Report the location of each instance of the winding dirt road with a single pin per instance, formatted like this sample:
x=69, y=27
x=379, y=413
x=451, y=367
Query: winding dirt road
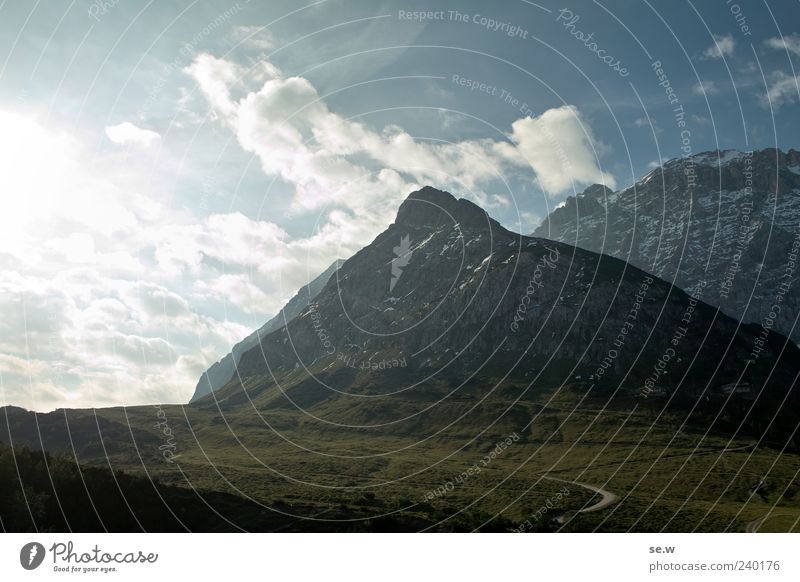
x=752, y=527
x=607, y=496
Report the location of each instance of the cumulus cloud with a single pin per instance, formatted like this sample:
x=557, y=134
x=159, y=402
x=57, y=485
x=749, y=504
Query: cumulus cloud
x=648, y=123
x=127, y=133
x=298, y=138
x=86, y=339
x=229, y=239
x=241, y=291
x=723, y=46
x=789, y=43
x=97, y=308
x=214, y=76
x=705, y=88
x=782, y=89
x=333, y=160
x=255, y=37
x=560, y=149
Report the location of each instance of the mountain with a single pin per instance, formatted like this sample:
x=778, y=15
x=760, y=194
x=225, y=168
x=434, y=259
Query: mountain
x=222, y=371
x=448, y=301
x=726, y=220
x=455, y=376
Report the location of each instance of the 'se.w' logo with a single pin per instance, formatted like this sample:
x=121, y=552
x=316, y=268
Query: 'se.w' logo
x=402, y=256
x=31, y=555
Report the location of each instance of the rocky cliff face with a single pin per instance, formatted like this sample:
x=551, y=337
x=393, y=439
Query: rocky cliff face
x=446, y=300
x=729, y=221
x=220, y=373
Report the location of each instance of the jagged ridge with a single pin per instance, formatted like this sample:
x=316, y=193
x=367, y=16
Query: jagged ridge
x=727, y=218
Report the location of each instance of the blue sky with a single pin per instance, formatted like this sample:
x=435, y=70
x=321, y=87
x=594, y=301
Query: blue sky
x=173, y=172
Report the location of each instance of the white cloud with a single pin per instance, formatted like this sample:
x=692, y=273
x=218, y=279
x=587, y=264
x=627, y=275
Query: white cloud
x=789, y=43
x=232, y=240
x=559, y=147
x=93, y=340
x=649, y=123
x=214, y=76
x=91, y=315
x=296, y=137
x=705, y=88
x=127, y=133
x=255, y=37
x=332, y=160
x=783, y=89
x=723, y=46
x=240, y=291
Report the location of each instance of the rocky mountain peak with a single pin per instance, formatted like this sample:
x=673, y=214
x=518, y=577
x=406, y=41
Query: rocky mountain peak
x=432, y=208
x=600, y=191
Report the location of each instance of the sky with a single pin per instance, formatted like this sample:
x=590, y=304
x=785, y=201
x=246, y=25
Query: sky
x=171, y=173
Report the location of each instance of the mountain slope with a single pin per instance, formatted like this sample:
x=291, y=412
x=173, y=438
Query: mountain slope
x=221, y=372
x=729, y=219
x=446, y=301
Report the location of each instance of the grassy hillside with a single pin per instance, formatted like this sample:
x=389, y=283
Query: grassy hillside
x=270, y=461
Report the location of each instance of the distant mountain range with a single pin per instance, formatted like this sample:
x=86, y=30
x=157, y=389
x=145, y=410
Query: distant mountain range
x=220, y=373
x=727, y=218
